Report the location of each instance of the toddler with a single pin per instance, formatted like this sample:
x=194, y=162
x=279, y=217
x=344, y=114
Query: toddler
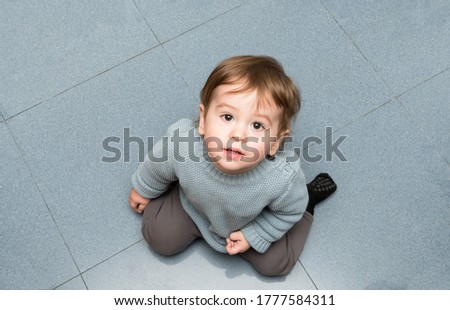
x=227, y=178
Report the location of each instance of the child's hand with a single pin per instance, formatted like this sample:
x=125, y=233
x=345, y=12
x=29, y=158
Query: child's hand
x=137, y=202
x=236, y=243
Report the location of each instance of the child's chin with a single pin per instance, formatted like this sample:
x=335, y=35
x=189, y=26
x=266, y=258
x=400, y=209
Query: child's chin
x=233, y=167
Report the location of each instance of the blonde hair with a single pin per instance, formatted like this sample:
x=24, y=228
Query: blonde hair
x=261, y=73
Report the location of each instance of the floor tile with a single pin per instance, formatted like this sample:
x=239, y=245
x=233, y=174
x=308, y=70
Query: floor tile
x=64, y=143
x=50, y=46
x=406, y=41
x=33, y=254
x=74, y=284
x=430, y=108
x=336, y=82
x=198, y=267
x=171, y=18
x=386, y=227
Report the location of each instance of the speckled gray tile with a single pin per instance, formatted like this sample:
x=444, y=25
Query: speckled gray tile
x=74, y=284
x=430, y=108
x=171, y=18
x=198, y=267
x=406, y=41
x=337, y=83
x=65, y=139
x=387, y=225
x=50, y=46
x=33, y=254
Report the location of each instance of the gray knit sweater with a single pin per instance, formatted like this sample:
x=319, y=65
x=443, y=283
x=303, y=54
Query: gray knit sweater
x=263, y=203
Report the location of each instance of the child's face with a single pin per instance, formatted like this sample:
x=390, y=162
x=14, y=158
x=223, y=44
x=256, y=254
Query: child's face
x=239, y=135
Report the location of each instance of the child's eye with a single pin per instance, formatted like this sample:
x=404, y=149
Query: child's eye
x=227, y=117
x=258, y=126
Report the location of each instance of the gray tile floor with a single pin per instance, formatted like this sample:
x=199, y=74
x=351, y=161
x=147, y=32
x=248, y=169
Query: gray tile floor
x=74, y=73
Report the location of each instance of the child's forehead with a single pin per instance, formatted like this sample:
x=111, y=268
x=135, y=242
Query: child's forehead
x=229, y=91
x=232, y=97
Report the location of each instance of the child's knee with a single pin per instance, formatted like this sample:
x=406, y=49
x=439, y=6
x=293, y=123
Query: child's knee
x=275, y=271
x=166, y=241
x=274, y=268
x=158, y=241
x=165, y=251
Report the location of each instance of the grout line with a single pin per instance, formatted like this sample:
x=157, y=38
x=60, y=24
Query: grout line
x=145, y=20
x=357, y=47
x=97, y=264
x=123, y=62
x=203, y=23
x=358, y=118
x=78, y=275
x=82, y=82
x=421, y=83
x=165, y=51
x=84, y=281
x=394, y=97
x=21, y=152
x=179, y=35
x=2, y=118
x=305, y=148
x=307, y=273
x=195, y=94
x=372, y=66
x=188, y=87
x=109, y=257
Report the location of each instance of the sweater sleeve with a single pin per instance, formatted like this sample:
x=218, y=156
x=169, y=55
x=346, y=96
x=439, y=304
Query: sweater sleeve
x=156, y=173
x=277, y=218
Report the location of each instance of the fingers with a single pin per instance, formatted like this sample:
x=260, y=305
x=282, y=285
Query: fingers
x=229, y=246
x=233, y=246
x=137, y=202
x=140, y=208
x=134, y=204
x=137, y=207
x=236, y=243
x=233, y=243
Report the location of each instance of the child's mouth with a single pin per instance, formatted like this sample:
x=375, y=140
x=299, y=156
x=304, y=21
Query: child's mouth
x=233, y=152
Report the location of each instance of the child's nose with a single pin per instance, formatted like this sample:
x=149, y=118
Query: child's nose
x=239, y=133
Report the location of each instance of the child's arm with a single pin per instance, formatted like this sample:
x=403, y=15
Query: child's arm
x=154, y=176
x=275, y=220
x=236, y=243
x=137, y=202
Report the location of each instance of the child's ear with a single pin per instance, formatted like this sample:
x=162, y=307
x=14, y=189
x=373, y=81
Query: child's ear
x=201, y=122
x=275, y=146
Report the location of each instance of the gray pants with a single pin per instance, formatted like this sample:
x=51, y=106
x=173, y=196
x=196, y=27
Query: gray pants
x=169, y=230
